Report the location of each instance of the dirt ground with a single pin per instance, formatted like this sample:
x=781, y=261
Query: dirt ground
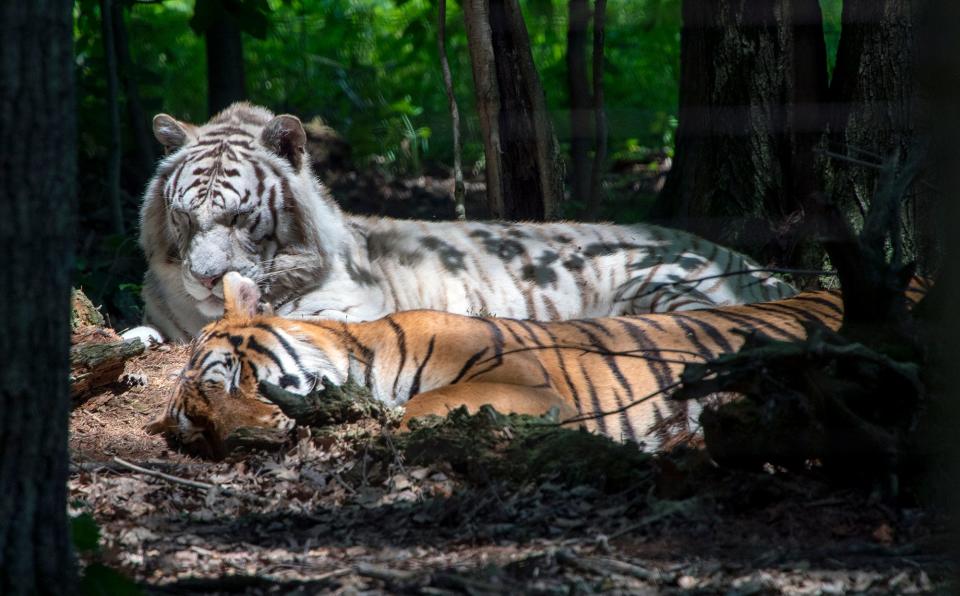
x=332, y=513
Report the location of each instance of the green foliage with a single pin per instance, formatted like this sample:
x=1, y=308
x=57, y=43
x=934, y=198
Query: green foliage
x=85, y=533
x=832, y=10
x=97, y=579
x=369, y=68
x=100, y=580
x=523, y=448
x=642, y=74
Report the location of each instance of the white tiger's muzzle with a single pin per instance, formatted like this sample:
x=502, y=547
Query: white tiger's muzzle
x=211, y=255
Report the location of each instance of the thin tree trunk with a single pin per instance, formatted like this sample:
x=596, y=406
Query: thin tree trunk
x=225, y=73
x=600, y=151
x=37, y=196
x=483, y=63
x=522, y=173
x=581, y=133
x=750, y=74
x=459, y=192
x=142, y=139
x=114, y=149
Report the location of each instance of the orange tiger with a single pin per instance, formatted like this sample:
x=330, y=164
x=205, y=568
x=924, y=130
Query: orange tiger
x=431, y=362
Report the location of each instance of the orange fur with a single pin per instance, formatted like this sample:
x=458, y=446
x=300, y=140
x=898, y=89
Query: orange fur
x=431, y=362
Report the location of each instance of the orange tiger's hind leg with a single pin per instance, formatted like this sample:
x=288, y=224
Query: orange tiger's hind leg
x=503, y=397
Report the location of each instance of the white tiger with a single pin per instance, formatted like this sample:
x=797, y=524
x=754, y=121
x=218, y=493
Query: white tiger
x=238, y=194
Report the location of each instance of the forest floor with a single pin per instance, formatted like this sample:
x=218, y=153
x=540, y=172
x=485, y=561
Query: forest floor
x=355, y=509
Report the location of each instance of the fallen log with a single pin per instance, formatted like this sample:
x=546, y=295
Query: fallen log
x=97, y=353
x=94, y=365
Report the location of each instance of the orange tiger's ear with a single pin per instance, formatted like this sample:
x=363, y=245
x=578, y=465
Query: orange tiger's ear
x=241, y=296
x=161, y=425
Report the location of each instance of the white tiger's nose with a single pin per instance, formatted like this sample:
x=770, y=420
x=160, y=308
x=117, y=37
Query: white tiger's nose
x=209, y=281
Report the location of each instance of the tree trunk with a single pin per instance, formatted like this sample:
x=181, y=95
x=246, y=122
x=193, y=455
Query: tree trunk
x=874, y=94
x=600, y=116
x=142, y=139
x=225, y=74
x=114, y=149
x=581, y=131
x=750, y=74
x=523, y=177
x=37, y=136
x=939, y=72
x=459, y=191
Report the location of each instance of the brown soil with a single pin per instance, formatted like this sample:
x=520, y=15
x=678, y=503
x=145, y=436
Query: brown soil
x=330, y=514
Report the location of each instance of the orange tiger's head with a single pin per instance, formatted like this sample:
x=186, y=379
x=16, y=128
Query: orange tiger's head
x=217, y=392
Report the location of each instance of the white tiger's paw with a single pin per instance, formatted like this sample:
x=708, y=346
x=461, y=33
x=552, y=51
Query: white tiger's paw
x=147, y=335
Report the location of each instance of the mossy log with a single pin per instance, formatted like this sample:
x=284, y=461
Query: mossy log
x=83, y=313
x=251, y=438
x=326, y=405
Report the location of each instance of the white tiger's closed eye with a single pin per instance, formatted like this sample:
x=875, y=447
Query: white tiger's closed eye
x=240, y=218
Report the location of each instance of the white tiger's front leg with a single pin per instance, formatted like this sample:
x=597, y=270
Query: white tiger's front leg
x=147, y=335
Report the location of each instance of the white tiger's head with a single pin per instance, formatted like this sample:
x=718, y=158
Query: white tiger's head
x=235, y=194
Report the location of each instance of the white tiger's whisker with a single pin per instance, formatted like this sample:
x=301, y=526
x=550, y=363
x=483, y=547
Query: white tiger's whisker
x=268, y=274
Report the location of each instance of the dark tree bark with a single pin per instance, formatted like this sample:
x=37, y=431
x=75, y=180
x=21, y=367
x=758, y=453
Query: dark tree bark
x=939, y=73
x=750, y=74
x=874, y=94
x=523, y=177
x=114, y=148
x=142, y=139
x=225, y=73
x=600, y=116
x=37, y=196
x=581, y=125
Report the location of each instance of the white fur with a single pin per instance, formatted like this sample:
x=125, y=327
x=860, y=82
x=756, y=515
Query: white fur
x=337, y=266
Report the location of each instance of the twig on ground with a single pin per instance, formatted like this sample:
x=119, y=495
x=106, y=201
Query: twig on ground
x=110, y=466
x=635, y=353
x=392, y=577
x=624, y=408
x=191, y=483
x=669, y=508
x=606, y=566
x=343, y=483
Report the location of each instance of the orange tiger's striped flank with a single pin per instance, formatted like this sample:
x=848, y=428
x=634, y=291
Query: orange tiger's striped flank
x=431, y=362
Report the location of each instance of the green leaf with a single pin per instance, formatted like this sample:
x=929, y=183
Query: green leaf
x=85, y=533
x=100, y=580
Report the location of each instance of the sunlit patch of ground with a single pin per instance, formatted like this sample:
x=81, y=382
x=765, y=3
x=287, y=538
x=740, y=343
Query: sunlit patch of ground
x=337, y=512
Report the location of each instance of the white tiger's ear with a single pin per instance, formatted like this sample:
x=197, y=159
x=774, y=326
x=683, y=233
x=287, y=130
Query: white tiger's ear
x=241, y=296
x=284, y=135
x=172, y=133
